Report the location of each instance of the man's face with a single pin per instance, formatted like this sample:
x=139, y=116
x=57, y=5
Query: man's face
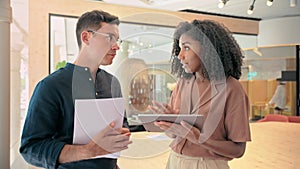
x=104, y=43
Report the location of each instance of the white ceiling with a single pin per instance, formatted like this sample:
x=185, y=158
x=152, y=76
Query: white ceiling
x=280, y=8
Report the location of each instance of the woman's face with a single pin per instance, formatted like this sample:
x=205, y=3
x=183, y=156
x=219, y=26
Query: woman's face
x=189, y=54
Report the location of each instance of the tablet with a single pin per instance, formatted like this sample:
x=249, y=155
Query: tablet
x=149, y=119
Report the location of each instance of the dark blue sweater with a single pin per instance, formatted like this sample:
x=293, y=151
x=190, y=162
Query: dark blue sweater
x=50, y=117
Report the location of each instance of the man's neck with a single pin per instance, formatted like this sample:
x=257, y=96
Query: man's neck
x=93, y=66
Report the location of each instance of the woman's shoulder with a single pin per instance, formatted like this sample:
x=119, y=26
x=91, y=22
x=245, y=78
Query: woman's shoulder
x=233, y=83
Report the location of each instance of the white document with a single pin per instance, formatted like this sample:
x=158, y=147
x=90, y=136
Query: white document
x=93, y=115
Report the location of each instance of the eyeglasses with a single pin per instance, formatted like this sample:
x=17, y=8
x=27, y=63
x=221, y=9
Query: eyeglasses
x=111, y=37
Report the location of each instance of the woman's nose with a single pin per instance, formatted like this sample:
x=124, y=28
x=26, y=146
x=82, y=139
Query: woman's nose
x=180, y=55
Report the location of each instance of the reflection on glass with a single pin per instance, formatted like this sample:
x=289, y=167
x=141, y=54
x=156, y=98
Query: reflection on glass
x=140, y=88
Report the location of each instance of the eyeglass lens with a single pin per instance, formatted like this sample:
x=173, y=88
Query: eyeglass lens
x=111, y=37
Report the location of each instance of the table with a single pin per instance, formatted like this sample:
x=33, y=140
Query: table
x=259, y=110
x=274, y=145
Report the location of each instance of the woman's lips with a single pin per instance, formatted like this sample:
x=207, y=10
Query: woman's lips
x=184, y=66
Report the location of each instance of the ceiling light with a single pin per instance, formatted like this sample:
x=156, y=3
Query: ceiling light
x=293, y=3
x=251, y=8
x=222, y=3
x=270, y=2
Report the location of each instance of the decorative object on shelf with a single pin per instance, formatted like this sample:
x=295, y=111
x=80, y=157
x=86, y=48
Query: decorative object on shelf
x=139, y=92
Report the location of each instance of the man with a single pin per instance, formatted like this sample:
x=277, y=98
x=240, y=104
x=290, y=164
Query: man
x=279, y=97
x=48, y=130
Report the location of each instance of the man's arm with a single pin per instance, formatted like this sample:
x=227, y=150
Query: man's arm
x=38, y=147
x=108, y=141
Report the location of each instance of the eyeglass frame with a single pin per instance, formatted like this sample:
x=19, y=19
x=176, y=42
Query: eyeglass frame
x=109, y=36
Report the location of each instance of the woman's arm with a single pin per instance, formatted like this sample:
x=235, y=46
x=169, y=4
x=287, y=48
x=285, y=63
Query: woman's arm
x=224, y=148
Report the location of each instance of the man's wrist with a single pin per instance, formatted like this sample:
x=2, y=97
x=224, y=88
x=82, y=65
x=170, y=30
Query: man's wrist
x=92, y=150
x=72, y=153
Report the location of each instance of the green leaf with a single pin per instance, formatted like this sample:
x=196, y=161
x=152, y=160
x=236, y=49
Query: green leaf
x=60, y=64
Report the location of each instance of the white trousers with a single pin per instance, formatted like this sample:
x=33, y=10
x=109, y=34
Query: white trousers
x=179, y=161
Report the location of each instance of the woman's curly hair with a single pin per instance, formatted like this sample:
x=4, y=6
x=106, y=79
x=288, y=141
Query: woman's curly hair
x=221, y=55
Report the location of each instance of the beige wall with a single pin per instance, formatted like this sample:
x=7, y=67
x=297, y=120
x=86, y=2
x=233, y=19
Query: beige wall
x=39, y=25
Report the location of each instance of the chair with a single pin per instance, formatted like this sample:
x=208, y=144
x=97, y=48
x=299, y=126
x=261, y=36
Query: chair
x=294, y=119
x=274, y=117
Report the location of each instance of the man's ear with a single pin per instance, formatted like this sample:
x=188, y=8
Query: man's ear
x=85, y=37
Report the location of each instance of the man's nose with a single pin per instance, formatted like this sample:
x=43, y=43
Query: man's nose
x=115, y=46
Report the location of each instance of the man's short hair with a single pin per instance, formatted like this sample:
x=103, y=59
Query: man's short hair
x=92, y=20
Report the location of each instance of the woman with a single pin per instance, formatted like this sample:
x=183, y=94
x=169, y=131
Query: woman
x=208, y=61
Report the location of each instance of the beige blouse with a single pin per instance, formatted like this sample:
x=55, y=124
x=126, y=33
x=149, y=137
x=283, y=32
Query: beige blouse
x=225, y=107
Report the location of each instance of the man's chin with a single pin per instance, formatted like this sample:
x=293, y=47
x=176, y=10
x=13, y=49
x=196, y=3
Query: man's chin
x=106, y=63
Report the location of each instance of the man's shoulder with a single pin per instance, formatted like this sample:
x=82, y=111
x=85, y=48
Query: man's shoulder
x=57, y=76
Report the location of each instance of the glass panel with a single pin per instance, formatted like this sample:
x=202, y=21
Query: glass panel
x=143, y=66
x=145, y=56
x=63, y=43
x=263, y=66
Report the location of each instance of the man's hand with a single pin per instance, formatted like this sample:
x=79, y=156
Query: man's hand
x=109, y=140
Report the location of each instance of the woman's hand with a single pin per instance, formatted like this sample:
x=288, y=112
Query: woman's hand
x=163, y=108
x=183, y=130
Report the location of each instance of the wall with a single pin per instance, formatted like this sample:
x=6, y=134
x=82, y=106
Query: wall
x=279, y=31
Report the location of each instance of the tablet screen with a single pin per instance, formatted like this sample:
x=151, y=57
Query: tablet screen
x=149, y=119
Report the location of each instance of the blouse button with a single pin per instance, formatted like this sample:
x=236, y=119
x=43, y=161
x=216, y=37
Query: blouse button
x=86, y=69
x=90, y=79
